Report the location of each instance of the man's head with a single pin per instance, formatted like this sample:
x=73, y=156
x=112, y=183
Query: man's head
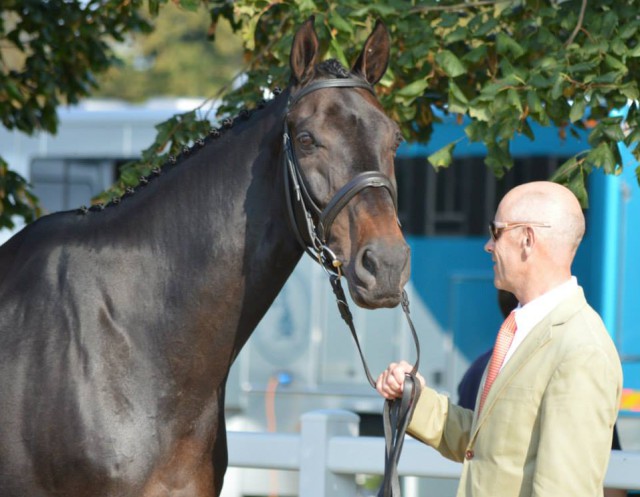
x=536, y=231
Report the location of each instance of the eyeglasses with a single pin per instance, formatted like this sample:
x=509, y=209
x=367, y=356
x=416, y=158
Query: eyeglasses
x=496, y=227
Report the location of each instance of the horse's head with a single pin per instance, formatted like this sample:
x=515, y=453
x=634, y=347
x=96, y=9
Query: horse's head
x=344, y=146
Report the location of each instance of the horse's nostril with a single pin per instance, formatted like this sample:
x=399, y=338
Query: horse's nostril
x=370, y=262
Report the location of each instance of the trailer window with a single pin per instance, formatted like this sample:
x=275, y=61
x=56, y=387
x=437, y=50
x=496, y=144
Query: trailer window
x=64, y=183
x=462, y=199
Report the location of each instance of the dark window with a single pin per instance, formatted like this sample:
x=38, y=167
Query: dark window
x=460, y=200
x=68, y=183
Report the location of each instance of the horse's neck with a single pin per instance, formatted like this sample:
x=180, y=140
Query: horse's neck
x=219, y=221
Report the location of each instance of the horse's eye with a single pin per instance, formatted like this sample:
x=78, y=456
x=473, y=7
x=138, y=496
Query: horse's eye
x=399, y=140
x=305, y=140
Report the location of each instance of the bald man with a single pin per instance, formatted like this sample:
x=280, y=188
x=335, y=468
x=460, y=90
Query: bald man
x=545, y=424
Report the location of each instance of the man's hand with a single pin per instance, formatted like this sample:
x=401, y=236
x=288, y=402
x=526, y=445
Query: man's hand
x=391, y=381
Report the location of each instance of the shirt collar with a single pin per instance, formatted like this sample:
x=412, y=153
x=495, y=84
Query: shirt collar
x=532, y=313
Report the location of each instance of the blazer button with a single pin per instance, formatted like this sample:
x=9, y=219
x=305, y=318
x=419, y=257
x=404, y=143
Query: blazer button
x=468, y=455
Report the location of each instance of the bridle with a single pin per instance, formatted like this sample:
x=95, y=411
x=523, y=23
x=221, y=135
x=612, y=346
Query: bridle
x=313, y=239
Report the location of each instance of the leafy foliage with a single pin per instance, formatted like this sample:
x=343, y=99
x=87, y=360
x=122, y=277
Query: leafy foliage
x=499, y=65
x=50, y=52
x=503, y=65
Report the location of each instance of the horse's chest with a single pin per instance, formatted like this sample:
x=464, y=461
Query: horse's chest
x=186, y=470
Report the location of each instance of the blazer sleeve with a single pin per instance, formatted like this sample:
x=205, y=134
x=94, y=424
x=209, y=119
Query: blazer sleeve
x=577, y=415
x=441, y=424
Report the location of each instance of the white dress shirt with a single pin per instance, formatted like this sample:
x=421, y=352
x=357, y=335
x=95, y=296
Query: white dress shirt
x=532, y=313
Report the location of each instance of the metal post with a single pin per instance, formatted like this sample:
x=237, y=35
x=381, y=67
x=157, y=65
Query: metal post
x=317, y=429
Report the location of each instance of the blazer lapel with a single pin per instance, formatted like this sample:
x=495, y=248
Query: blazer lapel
x=536, y=339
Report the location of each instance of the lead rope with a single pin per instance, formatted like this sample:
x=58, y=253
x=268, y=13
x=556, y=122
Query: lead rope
x=396, y=413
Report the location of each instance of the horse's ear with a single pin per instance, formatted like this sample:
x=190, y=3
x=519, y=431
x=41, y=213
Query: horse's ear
x=303, y=52
x=374, y=58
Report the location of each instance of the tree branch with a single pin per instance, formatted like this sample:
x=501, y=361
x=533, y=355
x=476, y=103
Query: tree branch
x=452, y=8
x=578, y=25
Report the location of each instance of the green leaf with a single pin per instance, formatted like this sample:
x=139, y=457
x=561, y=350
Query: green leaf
x=490, y=90
x=458, y=102
x=609, y=23
x=458, y=93
x=476, y=131
x=339, y=23
x=507, y=128
x=506, y=45
x=534, y=103
x=476, y=55
x=480, y=112
x=547, y=64
x=614, y=132
x=375, y=8
x=526, y=130
x=514, y=99
x=618, y=47
x=615, y=64
x=307, y=5
x=584, y=66
x=557, y=87
x=458, y=34
x=448, y=20
x=13, y=90
x=191, y=5
x=628, y=29
x=538, y=81
x=450, y=64
x=577, y=109
x=443, y=157
x=486, y=27
x=414, y=89
x=498, y=158
x=602, y=157
x=567, y=173
x=578, y=186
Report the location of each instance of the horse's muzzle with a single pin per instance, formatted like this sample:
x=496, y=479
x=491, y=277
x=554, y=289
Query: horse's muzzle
x=380, y=271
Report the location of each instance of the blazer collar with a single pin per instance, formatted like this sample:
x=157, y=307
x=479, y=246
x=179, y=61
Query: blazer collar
x=537, y=338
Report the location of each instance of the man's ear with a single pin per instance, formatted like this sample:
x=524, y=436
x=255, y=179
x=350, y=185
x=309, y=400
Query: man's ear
x=528, y=240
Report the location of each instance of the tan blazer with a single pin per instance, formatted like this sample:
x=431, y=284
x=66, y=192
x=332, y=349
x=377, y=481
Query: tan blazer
x=546, y=427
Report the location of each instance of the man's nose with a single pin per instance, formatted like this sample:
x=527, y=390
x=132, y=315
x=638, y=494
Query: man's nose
x=488, y=247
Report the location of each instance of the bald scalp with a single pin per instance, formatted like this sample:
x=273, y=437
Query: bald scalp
x=548, y=202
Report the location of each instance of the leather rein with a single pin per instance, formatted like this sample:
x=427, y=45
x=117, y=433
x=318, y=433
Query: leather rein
x=313, y=238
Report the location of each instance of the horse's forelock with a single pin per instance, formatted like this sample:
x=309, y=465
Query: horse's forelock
x=333, y=68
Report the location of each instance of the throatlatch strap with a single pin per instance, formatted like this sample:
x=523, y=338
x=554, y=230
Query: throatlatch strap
x=397, y=413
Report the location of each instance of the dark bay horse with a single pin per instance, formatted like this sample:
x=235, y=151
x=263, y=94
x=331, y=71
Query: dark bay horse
x=118, y=325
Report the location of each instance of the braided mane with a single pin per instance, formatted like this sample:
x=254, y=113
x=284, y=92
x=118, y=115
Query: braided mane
x=328, y=68
x=187, y=151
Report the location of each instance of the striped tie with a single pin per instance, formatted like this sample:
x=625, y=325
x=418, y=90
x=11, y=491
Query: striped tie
x=503, y=342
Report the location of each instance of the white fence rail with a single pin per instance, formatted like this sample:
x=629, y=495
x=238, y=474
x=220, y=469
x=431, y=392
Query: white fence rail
x=328, y=453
